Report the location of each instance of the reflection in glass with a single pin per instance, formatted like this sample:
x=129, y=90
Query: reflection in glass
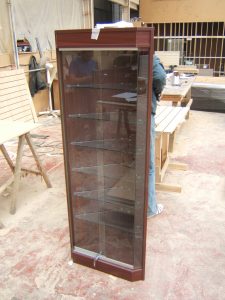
x=105, y=107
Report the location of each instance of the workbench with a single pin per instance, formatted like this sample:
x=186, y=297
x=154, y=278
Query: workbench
x=178, y=93
x=168, y=119
x=187, y=69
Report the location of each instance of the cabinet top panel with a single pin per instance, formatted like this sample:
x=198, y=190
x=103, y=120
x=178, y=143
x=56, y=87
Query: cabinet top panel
x=108, y=37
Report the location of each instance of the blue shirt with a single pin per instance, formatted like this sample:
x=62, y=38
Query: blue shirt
x=81, y=68
x=159, y=81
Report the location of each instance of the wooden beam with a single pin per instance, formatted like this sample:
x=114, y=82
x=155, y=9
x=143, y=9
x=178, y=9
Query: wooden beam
x=6, y=184
x=178, y=166
x=88, y=13
x=126, y=11
x=163, y=187
x=37, y=160
x=17, y=173
x=7, y=157
x=164, y=168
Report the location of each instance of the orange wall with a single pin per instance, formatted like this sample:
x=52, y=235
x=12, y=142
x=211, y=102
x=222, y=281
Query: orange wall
x=169, y=11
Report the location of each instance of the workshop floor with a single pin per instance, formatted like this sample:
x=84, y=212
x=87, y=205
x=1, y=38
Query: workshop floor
x=185, y=244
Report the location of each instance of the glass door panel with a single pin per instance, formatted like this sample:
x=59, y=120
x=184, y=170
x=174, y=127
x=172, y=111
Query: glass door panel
x=105, y=111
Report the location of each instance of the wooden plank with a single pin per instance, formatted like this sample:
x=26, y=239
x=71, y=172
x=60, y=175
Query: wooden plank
x=17, y=172
x=17, y=113
x=7, y=157
x=15, y=101
x=165, y=147
x=168, y=187
x=31, y=104
x=164, y=123
x=161, y=113
x=10, y=130
x=37, y=160
x=164, y=168
x=11, y=73
x=178, y=166
x=25, y=119
x=15, y=95
x=12, y=90
x=11, y=78
x=172, y=98
x=13, y=109
x=187, y=69
x=160, y=109
x=177, y=92
x=172, y=119
x=9, y=84
x=22, y=117
x=171, y=140
x=158, y=147
x=13, y=104
x=177, y=120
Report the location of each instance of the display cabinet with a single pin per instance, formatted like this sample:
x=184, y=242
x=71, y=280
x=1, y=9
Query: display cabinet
x=105, y=88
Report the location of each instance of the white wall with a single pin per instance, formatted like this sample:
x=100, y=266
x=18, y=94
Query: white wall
x=39, y=18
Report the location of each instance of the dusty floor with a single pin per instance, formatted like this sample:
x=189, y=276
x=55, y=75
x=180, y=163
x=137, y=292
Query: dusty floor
x=185, y=244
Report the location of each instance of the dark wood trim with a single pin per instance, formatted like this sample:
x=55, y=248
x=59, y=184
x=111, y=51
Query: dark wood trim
x=142, y=39
x=148, y=131
x=127, y=37
x=66, y=150
x=103, y=266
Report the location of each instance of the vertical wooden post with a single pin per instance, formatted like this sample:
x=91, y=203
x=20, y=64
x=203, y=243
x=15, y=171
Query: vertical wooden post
x=195, y=42
x=7, y=157
x=221, y=53
x=17, y=173
x=200, y=47
x=164, y=34
x=39, y=165
x=206, y=42
x=211, y=42
x=88, y=13
x=158, y=33
x=126, y=11
x=215, y=53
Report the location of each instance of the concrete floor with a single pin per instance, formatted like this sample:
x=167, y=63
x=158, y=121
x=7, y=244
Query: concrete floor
x=185, y=244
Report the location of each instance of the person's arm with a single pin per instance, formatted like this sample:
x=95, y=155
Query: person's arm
x=159, y=76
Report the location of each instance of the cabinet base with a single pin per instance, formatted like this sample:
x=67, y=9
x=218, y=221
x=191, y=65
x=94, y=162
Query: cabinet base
x=100, y=265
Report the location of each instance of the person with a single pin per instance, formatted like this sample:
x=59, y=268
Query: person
x=159, y=81
x=81, y=69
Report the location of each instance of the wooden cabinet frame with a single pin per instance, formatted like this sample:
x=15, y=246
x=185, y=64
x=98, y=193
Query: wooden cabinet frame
x=123, y=248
